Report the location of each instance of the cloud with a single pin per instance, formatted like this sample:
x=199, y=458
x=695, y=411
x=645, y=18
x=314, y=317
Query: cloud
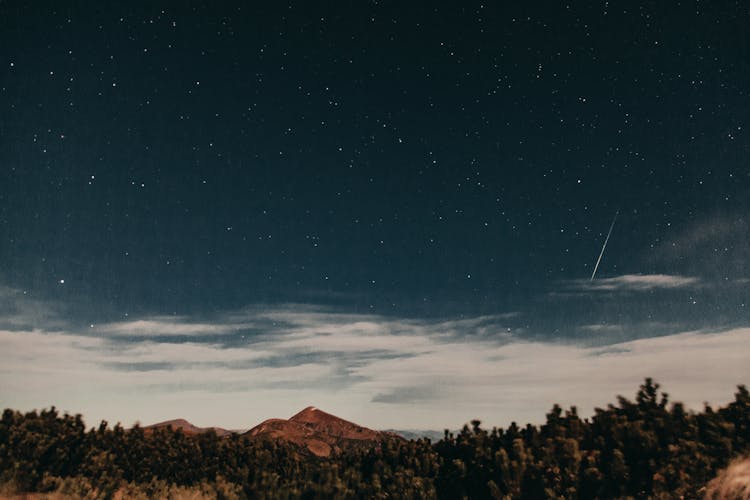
x=384, y=372
x=603, y=328
x=407, y=395
x=20, y=310
x=707, y=231
x=164, y=326
x=634, y=283
x=239, y=367
x=712, y=246
x=609, y=350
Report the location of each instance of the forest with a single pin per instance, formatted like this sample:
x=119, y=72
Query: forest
x=641, y=448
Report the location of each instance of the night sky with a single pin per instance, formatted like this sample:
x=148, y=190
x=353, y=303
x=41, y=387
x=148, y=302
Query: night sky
x=226, y=212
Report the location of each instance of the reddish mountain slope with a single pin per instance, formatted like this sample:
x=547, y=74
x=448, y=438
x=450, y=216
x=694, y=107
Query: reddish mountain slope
x=318, y=432
x=187, y=428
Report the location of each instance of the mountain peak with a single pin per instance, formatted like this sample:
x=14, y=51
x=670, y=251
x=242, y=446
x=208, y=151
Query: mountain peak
x=178, y=422
x=312, y=414
x=309, y=409
x=319, y=432
x=186, y=427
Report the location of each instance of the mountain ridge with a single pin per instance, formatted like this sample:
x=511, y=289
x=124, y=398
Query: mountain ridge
x=187, y=428
x=311, y=430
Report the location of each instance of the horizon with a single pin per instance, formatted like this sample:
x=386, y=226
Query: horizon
x=415, y=430
x=408, y=216
x=90, y=425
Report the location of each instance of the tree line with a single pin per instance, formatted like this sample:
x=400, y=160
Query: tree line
x=648, y=447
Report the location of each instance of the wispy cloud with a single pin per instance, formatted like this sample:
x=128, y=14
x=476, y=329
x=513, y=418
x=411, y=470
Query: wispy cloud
x=169, y=325
x=716, y=231
x=20, y=310
x=714, y=246
x=408, y=395
x=633, y=283
x=239, y=367
x=383, y=372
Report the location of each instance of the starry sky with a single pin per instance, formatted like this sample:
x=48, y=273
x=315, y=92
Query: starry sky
x=226, y=212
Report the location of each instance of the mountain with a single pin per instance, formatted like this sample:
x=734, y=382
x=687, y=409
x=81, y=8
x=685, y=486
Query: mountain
x=319, y=433
x=312, y=430
x=187, y=428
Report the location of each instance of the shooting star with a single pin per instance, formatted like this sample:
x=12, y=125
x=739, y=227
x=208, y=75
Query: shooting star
x=601, y=254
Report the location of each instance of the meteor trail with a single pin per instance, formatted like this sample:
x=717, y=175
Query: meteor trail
x=601, y=254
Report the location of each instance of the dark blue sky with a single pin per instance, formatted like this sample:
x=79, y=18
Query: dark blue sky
x=196, y=156
x=401, y=160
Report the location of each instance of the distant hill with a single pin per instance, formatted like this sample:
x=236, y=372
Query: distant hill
x=414, y=434
x=311, y=428
x=187, y=428
x=319, y=433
